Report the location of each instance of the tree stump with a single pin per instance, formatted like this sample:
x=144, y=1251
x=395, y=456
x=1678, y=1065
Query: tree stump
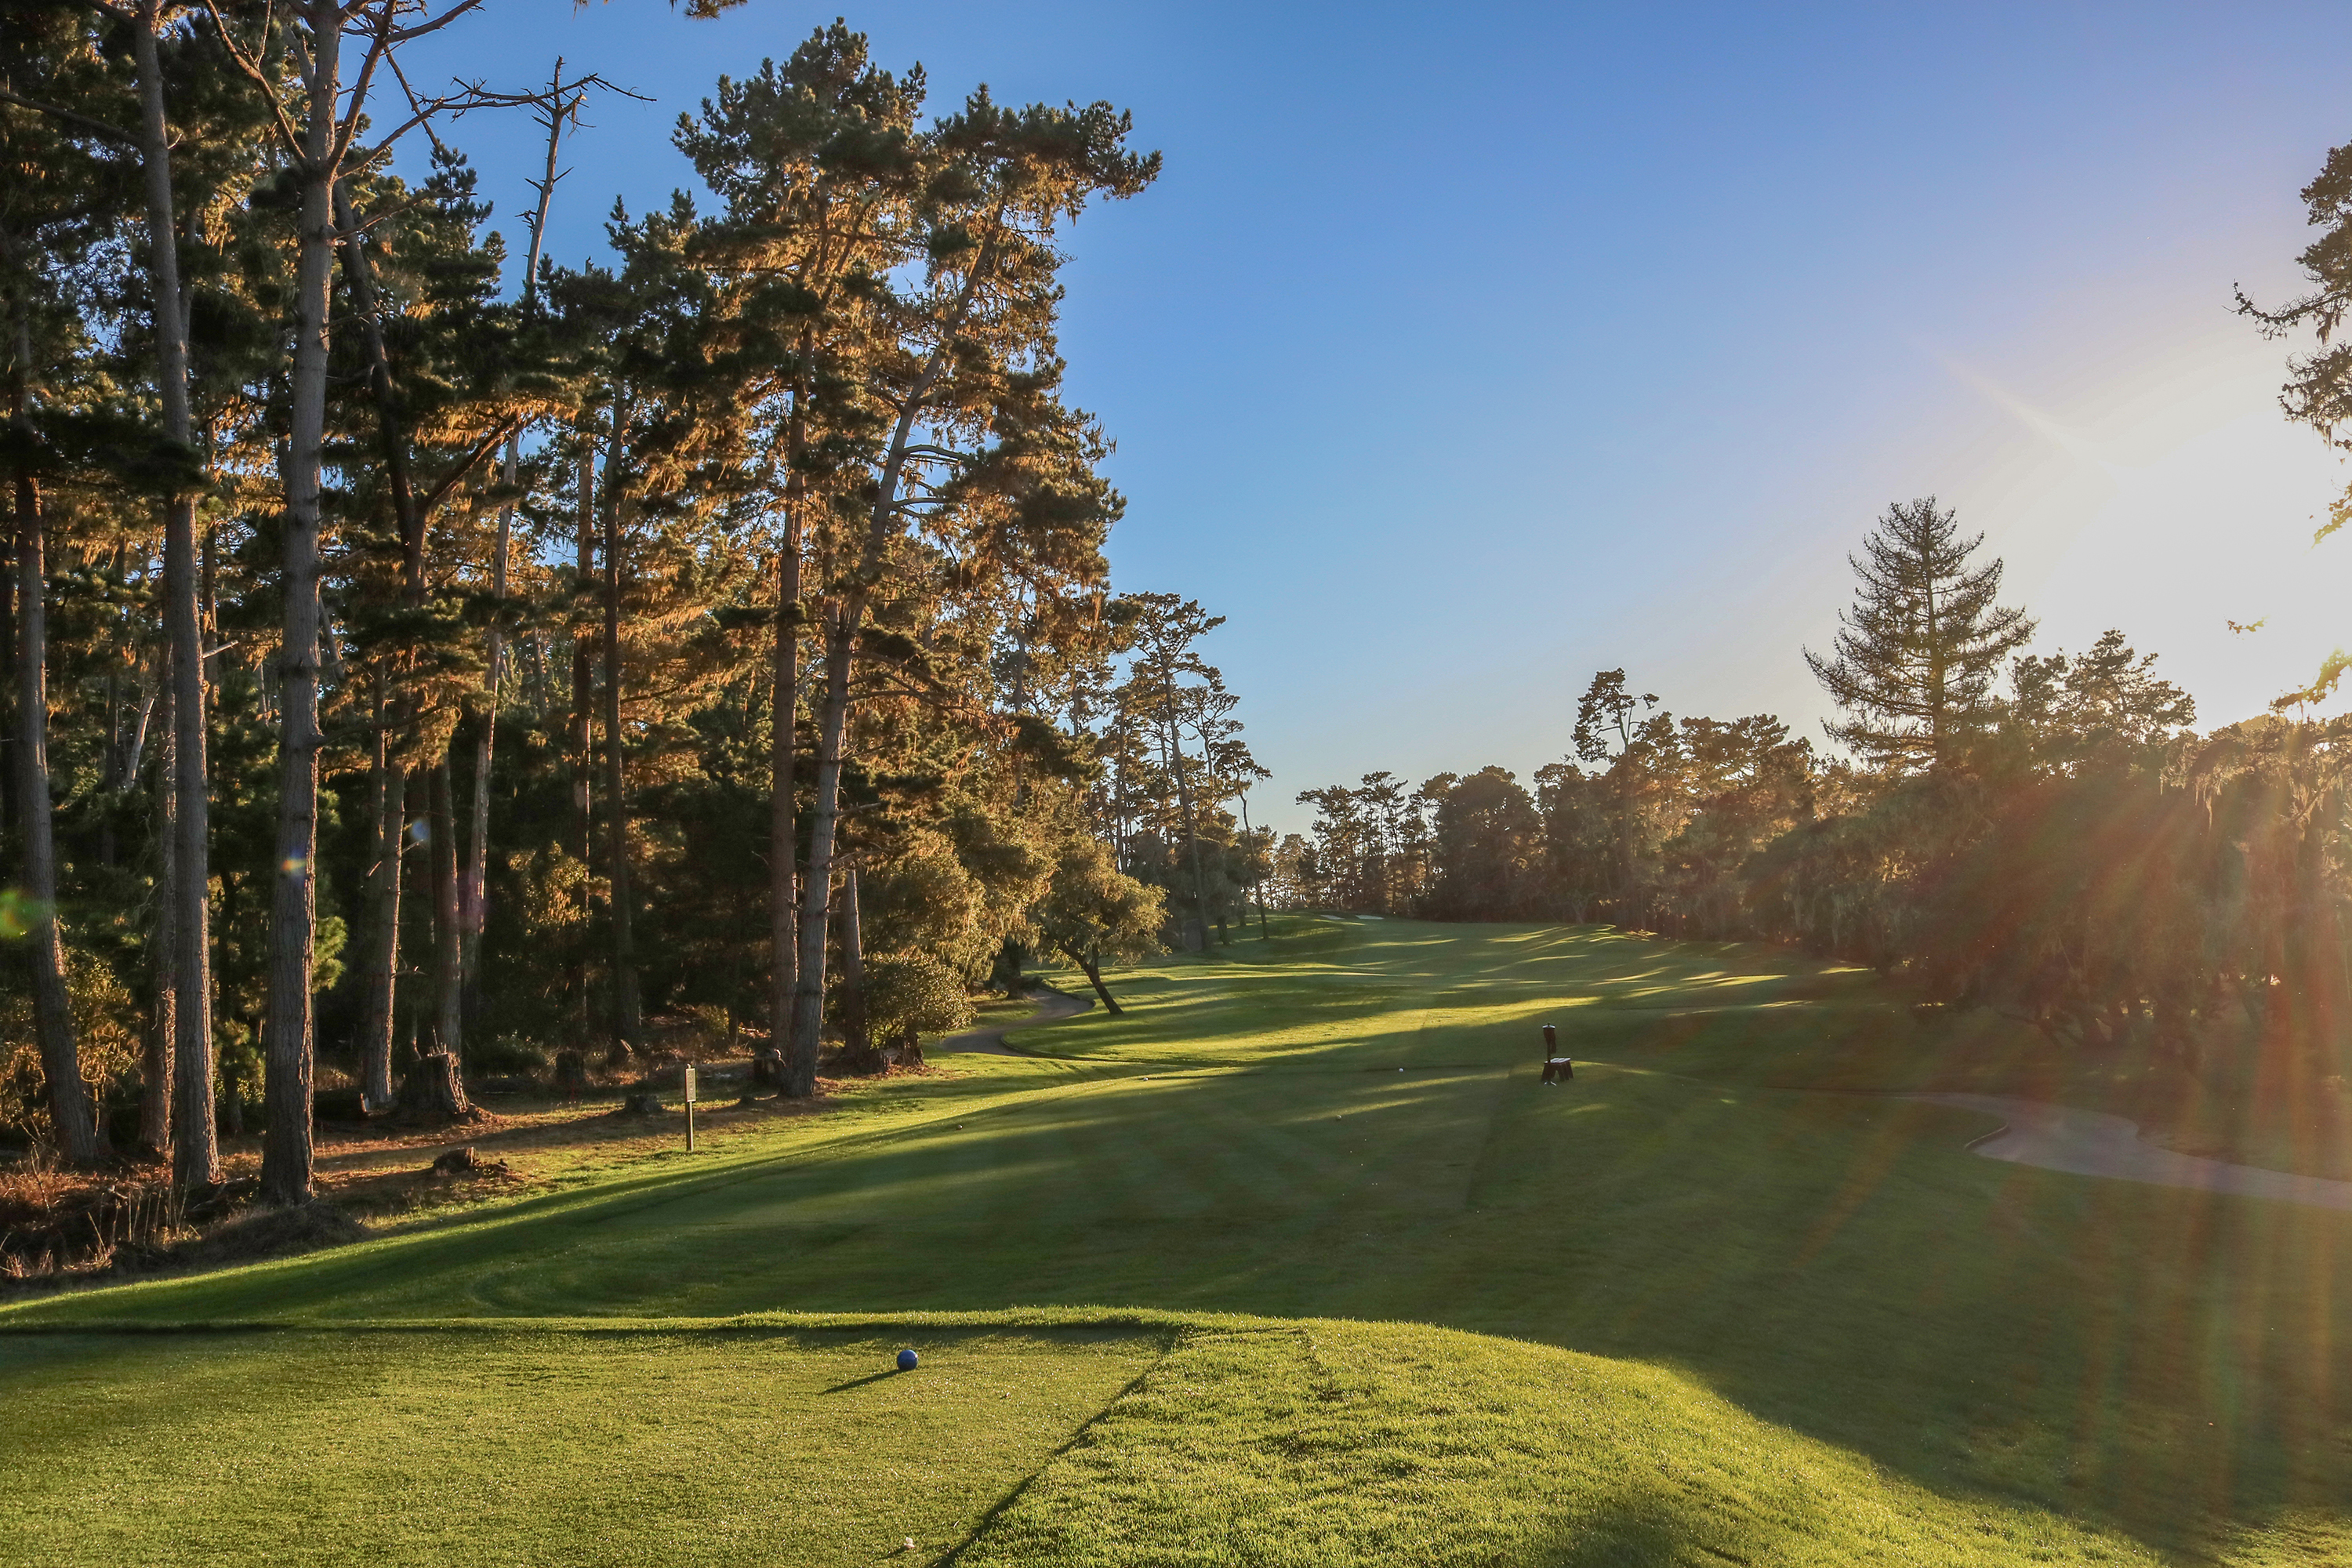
x=571, y=1075
x=861, y=1061
x=432, y=1091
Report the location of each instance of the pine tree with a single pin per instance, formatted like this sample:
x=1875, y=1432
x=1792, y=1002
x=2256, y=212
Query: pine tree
x=968, y=357
x=1607, y=708
x=1918, y=650
x=1166, y=628
x=814, y=162
x=319, y=119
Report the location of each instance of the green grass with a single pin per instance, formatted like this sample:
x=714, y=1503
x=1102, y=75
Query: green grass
x=1686, y=1310
x=1316, y=1442
x=621, y=1447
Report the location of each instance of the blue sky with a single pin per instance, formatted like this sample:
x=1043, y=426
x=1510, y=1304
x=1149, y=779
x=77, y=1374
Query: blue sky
x=1462, y=350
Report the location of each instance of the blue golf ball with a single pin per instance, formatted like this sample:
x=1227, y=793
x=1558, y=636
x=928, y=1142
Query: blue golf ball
x=908, y=1361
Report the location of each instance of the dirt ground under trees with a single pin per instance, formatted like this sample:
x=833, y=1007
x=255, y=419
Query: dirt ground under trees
x=61, y=1228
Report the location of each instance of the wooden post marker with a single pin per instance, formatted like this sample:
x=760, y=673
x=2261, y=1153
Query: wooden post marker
x=689, y=1107
x=1558, y=1068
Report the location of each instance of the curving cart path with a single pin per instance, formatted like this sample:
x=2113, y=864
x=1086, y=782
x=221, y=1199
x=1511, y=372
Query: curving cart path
x=2093, y=1143
x=1051, y=1004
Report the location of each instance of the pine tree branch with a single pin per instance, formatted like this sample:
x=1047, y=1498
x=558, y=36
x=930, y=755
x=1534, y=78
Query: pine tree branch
x=71, y=117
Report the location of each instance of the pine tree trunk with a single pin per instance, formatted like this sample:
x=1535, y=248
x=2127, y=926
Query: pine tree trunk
x=150, y=694
x=196, y=1141
x=627, y=1026
x=1118, y=805
x=841, y=642
x=583, y=759
x=470, y=911
x=287, y=1151
x=448, y=1030
x=784, y=831
x=1257, y=884
x=389, y=772
x=380, y=959
x=857, y=1046
x=110, y=753
x=477, y=843
x=817, y=885
x=7, y=703
x=1192, y=831
x=69, y=1104
x=155, y=1067
x=196, y=1146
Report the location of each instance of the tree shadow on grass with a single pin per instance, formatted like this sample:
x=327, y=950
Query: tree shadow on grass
x=1837, y=1266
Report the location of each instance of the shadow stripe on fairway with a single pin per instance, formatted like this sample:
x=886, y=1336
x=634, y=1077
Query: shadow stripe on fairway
x=594, y=1204
x=1171, y=1321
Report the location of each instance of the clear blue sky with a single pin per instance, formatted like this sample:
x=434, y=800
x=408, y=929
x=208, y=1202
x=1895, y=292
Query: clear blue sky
x=1463, y=350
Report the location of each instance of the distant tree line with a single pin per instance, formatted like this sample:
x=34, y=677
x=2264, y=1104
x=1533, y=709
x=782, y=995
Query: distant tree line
x=2041, y=834
x=409, y=662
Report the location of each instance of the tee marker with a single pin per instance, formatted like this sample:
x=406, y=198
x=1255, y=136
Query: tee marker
x=1557, y=1068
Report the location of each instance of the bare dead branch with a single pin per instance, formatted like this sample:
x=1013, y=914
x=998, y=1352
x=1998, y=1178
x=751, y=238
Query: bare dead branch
x=402, y=34
x=250, y=66
x=378, y=47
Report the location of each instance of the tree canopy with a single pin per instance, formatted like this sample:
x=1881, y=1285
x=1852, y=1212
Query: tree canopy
x=421, y=645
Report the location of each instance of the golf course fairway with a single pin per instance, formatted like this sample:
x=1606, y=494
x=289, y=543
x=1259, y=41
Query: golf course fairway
x=1296, y=1262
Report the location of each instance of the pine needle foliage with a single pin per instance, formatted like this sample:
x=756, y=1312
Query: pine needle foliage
x=1917, y=652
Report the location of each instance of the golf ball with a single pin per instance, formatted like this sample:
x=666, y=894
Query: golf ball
x=907, y=1361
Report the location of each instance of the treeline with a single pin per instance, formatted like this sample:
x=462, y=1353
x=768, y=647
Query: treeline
x=2041, y=834
x=424, y=654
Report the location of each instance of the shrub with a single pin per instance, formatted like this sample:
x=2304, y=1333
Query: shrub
x=913, y=993
x=105, y=1023
x=505, y=1056
x=710, y=1030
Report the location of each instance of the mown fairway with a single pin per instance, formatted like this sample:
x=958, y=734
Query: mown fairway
x=1712, y=1314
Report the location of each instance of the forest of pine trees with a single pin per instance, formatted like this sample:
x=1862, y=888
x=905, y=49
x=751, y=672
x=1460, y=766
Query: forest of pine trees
x=425, y=659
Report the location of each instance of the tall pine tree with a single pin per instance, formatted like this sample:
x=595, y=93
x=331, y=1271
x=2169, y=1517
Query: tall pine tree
x=1918, y=649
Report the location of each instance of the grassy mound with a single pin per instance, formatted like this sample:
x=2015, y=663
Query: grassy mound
x=1185, y=1441
x=1331, y=1443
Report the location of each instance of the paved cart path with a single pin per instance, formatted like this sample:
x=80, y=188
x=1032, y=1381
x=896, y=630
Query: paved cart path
x=2093, y=1143
x=990, y=1041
